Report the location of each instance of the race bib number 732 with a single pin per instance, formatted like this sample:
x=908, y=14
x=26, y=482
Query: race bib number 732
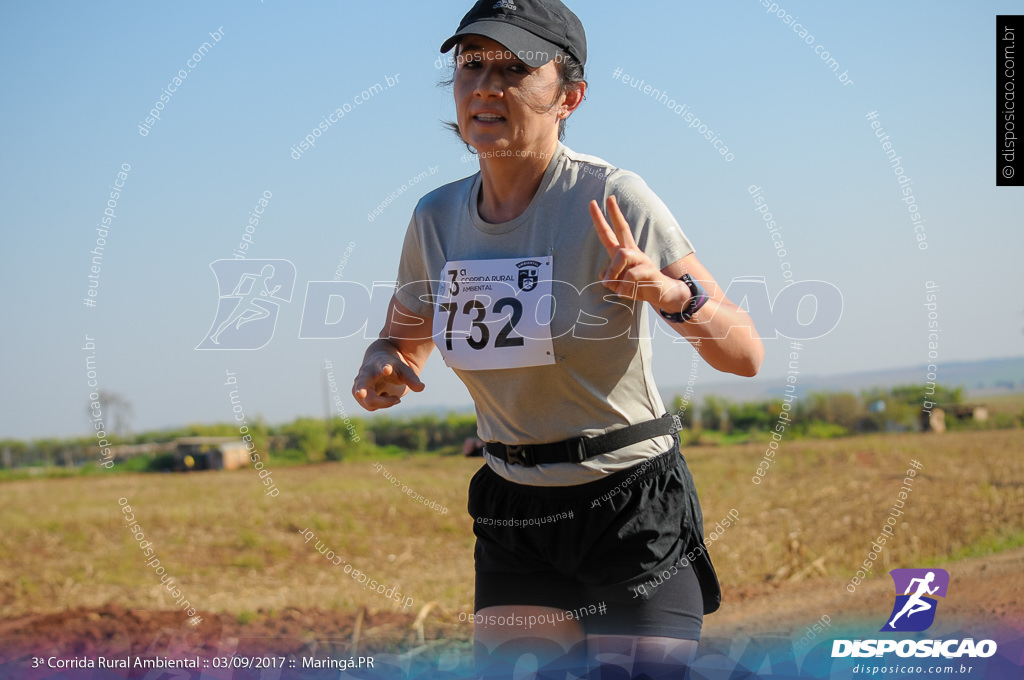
x=495, y=313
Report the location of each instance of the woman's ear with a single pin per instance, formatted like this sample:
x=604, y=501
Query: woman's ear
x=572, y=100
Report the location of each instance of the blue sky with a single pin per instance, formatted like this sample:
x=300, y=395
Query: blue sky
x=80, y=78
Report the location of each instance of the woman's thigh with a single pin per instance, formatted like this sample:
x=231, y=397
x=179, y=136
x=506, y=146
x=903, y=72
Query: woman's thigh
x=529, y=641
x=623, y=657
x=517, y=640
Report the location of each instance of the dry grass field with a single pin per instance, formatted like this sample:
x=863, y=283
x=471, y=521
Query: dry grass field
x=240, y=559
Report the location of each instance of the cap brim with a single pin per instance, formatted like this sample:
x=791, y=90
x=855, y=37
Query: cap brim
x=528, y=48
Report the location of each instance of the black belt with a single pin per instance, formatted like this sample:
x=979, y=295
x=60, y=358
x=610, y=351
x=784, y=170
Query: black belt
x=578, y=449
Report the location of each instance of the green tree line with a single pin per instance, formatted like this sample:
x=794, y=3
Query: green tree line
x=314, y=440
x=837, y=414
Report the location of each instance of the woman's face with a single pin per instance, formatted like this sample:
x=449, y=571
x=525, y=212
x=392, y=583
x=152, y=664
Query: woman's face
x=501, y=103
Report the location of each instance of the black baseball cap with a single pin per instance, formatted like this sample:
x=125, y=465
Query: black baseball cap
x=535, y=30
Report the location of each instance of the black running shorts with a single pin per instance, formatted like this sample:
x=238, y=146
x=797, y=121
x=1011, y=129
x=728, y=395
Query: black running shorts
x=621, y=542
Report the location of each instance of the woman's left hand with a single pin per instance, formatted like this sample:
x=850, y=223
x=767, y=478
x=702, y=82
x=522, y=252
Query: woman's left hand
x=631, y=273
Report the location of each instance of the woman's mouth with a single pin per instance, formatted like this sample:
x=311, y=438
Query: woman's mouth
x=488, y=118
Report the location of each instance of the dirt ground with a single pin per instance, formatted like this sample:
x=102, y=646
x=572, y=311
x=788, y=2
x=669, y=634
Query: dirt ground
x=987, y=590
x=982, y=589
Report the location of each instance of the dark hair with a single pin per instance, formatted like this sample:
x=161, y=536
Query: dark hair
x=570, y=74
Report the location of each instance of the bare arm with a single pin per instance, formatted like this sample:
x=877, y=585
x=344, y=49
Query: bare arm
x=392, y=364
x=723, y=333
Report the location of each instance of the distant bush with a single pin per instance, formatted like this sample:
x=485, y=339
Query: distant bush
x=1003, y=421
x=291, y=455
x=825, y=431
x=691, y=437
x=161, y=463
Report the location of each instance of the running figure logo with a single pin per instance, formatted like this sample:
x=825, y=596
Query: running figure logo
x=914, y=610
x=247, y=316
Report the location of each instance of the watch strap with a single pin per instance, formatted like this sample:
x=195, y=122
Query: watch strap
x=698, y=296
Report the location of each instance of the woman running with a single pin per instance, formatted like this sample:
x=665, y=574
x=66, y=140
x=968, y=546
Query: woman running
x=533, y=279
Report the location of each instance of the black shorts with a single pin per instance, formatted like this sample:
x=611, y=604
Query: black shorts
x=621, y=543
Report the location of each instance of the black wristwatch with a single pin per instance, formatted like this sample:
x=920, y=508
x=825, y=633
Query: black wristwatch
x=697, y=300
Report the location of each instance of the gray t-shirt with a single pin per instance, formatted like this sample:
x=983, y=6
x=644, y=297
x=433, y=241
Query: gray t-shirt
x=599, y=377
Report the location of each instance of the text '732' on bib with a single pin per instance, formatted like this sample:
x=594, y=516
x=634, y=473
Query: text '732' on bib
x=495, y=313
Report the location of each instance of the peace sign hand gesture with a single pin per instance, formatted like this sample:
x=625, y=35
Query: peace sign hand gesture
x=631, y=273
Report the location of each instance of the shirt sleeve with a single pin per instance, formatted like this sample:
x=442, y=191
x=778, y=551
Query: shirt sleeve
x=655, y=229
x=414, y=288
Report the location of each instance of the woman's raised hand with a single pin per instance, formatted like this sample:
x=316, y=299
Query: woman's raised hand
x=630, y=274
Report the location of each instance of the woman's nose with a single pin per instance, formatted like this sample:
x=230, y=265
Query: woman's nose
x=491, y=82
